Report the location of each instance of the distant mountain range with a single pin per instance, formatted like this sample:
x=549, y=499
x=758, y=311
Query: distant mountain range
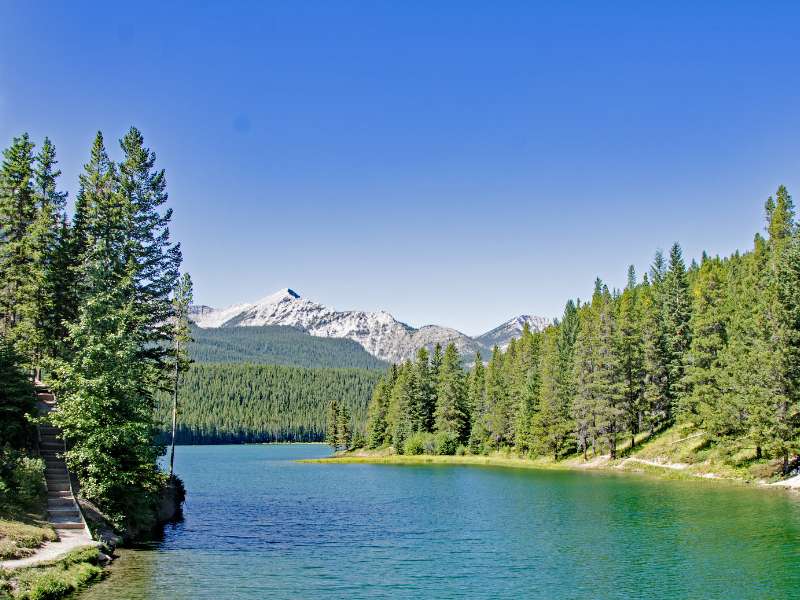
x=379, y=333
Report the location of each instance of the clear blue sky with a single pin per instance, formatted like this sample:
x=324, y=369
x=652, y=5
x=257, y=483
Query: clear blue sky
x=451, y=162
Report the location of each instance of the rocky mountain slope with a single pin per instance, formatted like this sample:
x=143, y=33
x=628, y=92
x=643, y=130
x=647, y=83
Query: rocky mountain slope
x=502, y=334
x=379, y=332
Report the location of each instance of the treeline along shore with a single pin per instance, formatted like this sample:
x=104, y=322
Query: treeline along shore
x=711, y=349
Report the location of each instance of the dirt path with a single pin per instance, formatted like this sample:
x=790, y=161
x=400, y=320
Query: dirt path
x=653, y=463
x=68, y=540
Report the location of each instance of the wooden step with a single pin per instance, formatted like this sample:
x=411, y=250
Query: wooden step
x=49, y=430
x=58, y=486
x=52, y=446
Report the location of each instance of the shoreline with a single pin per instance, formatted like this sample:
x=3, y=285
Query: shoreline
x=600, y=464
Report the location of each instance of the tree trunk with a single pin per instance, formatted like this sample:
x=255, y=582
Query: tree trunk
x=758, y=452
x=633, y=440
x=174, y=418
x=785, y=462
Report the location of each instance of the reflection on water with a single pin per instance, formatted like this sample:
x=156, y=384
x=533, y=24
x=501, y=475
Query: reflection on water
x=257, y=524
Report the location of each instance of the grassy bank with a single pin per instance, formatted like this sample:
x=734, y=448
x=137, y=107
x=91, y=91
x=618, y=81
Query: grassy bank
x=23, y=507
x=51, y=581
x=678, y=452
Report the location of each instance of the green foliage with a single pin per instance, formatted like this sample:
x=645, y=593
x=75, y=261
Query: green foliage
x=278, y=345
x=236, y=403
x=420, y=442
x=16, y=398
x=717, y=345
x=70, y=574
x=446, y=443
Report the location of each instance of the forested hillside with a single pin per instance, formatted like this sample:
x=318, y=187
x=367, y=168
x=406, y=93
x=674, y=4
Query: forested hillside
x=715, y=347
x=235, y=403
x=278, y=345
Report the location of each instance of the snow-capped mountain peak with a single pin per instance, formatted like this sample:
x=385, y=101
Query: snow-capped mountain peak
x=502, y=334
x=378, y=332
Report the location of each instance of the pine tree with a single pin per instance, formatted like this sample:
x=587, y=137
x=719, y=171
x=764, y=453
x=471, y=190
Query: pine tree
x=656, y=356
x=422, y=403
x=182, y=337
x=344, y=428
x=155, y=259
x=107, y=379
x=496, y=418
x=404, y=392
x=478, y=409
x=630, y=348
x=526, y=383
x=597, y=409
x=436, y=364
x=452, y=411
x=552, y=425
x=17, y=252
x=16, y=398
x=709, y=324
x=47, y=277
x=782, y=304
x=378, y=415
x=332, y=425
x=677, y=316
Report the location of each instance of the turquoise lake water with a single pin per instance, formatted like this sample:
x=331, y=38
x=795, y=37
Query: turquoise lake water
x=259, y=525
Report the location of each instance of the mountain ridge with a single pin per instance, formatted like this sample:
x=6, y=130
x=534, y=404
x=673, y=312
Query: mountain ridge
x=379, y=333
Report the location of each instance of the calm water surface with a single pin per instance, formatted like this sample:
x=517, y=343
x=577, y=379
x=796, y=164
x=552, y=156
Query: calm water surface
x=258, y=525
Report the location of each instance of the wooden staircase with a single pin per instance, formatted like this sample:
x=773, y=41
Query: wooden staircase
x=62, y=509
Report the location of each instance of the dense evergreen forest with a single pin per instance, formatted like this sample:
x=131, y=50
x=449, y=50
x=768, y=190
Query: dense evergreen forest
x=715, y=345
x=88, y=301
x=236, y=403
x=278, y=345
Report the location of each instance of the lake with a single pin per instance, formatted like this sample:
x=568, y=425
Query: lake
x=257, y=525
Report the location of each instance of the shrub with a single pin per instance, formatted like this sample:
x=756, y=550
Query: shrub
x=21, y=481
x=415, y=444
x=446, y=443
x=461, y=450
x=420, y=443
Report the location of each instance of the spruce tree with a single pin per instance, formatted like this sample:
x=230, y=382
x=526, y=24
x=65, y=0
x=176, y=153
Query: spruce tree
x=630, y=348
x=709, y=324
x=677, y=315
x=478, y=409
x=181, y=338
x=332, y=424
x=452, y=412
x=17, y=251
x=378, y=414
x=344, y=428
x=422, y=403
x=656, y=385
x=551, y=425
x=155, y=259
x=496, y=418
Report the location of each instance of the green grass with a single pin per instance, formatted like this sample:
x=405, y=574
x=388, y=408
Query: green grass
x=55, y=580
x=685, y=453
x=22, y=534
